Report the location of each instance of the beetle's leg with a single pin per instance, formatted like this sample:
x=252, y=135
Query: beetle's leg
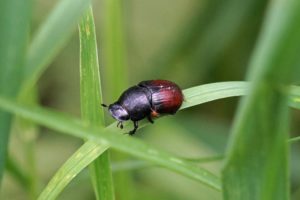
x=136, y=125
x=150, y=119
x=104, y=105
x=120, y=123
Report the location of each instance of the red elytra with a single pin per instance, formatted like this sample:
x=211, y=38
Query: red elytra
x=166, y=96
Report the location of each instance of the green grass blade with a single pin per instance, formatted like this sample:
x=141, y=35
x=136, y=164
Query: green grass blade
x=14, y=23
x=295, y=139
x=51, y=36
x=114, y=47
x=209, y=92
x=257, y=166
x=72, y=167
x=91, y=99
x=17, y=172
x=27, y=133
x=138, y=164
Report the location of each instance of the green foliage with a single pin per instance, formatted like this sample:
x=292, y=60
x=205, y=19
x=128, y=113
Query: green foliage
x=258, y=169
x=91, y=98
x=14, y=23
x=51, y=36
x=212, y=42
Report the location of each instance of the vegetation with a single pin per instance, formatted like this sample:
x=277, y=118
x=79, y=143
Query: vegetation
x=52, y=84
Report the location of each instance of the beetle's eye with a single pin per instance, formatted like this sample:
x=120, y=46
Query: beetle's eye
x=118, y=112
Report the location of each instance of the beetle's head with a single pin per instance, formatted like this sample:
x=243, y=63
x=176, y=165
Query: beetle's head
x=118, y=112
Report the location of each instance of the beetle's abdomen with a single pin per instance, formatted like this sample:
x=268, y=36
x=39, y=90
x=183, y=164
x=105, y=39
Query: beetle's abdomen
x=166, y=96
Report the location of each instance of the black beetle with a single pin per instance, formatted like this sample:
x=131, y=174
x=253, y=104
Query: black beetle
x=147, y=99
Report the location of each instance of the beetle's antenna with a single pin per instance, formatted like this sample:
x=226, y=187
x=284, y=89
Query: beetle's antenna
x=104, y=105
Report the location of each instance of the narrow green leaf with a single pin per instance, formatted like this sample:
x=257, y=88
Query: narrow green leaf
x=257, y=165
x=51, y=37
x=114, y=47
x=17, y=172
x=138, y=164
x=72, y=167
x=91, y=99
x=27, y=132
x=116, y=70
x=14, y=23
x=209, y=92
x=295, y=139
x=130, y=165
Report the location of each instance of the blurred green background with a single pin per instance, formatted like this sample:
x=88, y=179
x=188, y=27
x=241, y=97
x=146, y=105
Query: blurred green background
x=189, y=42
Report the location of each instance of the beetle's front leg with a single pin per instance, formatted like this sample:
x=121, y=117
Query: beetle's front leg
x=120, y=123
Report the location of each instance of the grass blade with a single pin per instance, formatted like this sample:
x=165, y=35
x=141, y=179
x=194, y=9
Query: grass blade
x=72, y=167
x=17, y=172
x=51, y=36
x=114, y=47
x=117, y=73
x=14, y=22
x=91, y=99
x=257, y=166
x=209, y=92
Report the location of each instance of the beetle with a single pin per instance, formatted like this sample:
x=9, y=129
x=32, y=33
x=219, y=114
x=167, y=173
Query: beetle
x=148, y=99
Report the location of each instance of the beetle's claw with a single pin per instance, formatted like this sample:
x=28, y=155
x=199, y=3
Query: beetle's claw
x=132, y=132
x=136, y=125
x=120, y=124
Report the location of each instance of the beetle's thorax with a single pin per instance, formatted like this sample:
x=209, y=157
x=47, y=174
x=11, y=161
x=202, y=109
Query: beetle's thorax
x=136, y=101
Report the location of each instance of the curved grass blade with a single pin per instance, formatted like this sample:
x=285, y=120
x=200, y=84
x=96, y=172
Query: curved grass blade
x=139, y=164
x=257, y=164
x=14, y=22
x=295, y=139
x=87, y=153
x=51, y=36
x=210, y=92
x=91, y=99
